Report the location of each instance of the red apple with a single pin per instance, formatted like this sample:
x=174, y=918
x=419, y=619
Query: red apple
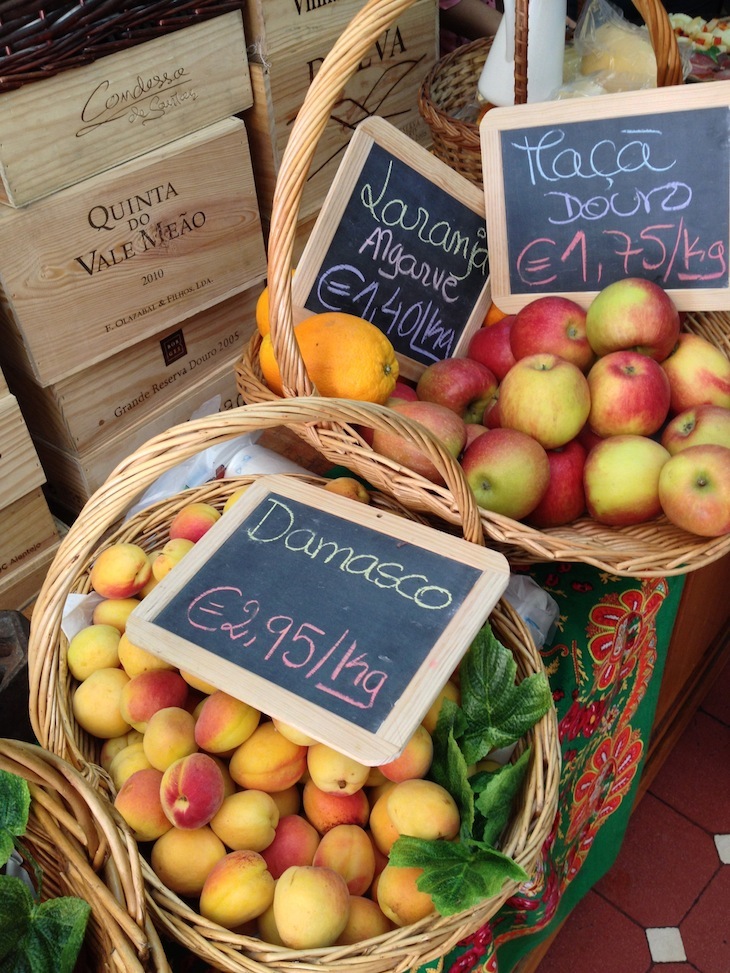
x=565, y=499
x=491, y=413
x=633, y=313
x=697, y=426
x=473, y=429
x=694, y=490
x=698, y=373
x=443, y=423
x=629, y=394
x=508, y=472
x=461, y=384
x=403, y=391
x=621, y=480
x=588, y=438
x=552, y=324
x=545, y=396
x=491, y=346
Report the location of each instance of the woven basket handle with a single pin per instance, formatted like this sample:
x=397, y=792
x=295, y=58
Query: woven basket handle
x=159, y=454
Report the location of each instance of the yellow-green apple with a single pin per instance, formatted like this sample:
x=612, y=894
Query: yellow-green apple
x=565, y=499
x=693, y=427
x=694, y=489
x=621, y=480
x=491, y=346
x=193, y=520
x=629, y=394
x=633, y=313
x=698, y=373
x=546, y=397
x=461, y=384
x=120, y=571
x=445, y=426
x=508, y=471
x=552, y=324
x=192, y=790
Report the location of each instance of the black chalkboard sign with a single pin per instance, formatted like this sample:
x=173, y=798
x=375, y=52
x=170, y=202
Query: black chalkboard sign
x=336, y=617
x=589, y=191
x=401, y=242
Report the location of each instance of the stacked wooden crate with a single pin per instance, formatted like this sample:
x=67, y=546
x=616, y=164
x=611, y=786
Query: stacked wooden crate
x=288, y=42
x=29, y=536
x=131, y=247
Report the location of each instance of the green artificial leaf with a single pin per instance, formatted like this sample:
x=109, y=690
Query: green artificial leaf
x=457, y=875
x=14, y=808
x=16, y=910
x=43, y=938
x=495, y=795
x=448, y=767
x=498, y=711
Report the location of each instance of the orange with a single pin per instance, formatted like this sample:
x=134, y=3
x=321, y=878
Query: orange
x=345, y=356
x=262, y=310
x=493, y=315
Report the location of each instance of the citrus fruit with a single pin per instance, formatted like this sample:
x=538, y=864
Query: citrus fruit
x=345, y=357
x=262, y=310
x=493, y=315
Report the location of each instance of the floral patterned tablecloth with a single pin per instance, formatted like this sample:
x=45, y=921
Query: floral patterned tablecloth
x=605, y=664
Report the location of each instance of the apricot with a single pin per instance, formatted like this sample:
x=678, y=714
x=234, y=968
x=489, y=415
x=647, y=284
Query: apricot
x=347, y=849
x=246, y=820
x=120, y=571
x=295, y=842
x=171, y=554
x=293, y=734
x=183, y=859
x=149, y=691
x=112, y=745
x=288, y=801
x=192, y=790
x=236, y=495
x=93, y=647
x=267, y=761
x=193, y=521
x=450, y=691
x=365, y=921
x=170, y=734
x=414, y=760
x=138, y=802
x=266, y=927
x=114, y=611
x=348, y=486
x=384, y=832
x=400, y=898
x=238, y=888
x=134, y=659
x=423, y=809
x=195, y=682
x=375, y=778
x=96, y=703
x=334, y=772
x=224, y=722
x=325, y=810
x=311, y=906
x=127, y=762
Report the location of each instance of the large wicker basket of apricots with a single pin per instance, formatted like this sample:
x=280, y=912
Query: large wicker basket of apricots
x=263, y=849
x=638, y=510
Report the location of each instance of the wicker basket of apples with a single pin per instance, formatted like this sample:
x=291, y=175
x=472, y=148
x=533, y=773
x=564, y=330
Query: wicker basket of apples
x=261, y=849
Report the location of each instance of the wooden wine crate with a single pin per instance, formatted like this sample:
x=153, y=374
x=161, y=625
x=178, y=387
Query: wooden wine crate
x=84, y=410
x=28, y=530
x=66, y=128
x=277, y=25
x=20, y=468
x=94, y=268
x=386, y=84
x=19, y=587
x=72, y=476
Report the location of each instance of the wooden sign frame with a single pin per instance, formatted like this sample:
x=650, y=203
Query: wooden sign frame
x=416, y=317
x=311, y=580
x=666, y=247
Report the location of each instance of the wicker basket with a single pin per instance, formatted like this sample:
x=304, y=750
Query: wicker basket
x=651, y=550
x=75, y=837
x=452, y=83
x=39, y=40
x=51, y=685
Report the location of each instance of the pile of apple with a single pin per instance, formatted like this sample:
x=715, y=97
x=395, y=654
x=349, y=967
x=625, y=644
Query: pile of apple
x=559, y=411
x=263, y=829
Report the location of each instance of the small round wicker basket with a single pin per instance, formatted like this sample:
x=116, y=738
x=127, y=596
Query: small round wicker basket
x=83, y=850
x=51, y=685
x=650, y=550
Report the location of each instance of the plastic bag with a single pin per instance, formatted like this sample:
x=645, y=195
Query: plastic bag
x=534, y=605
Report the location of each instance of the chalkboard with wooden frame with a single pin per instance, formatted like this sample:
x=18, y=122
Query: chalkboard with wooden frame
x=400, y=241
x=338, y=618
x=582, y=192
